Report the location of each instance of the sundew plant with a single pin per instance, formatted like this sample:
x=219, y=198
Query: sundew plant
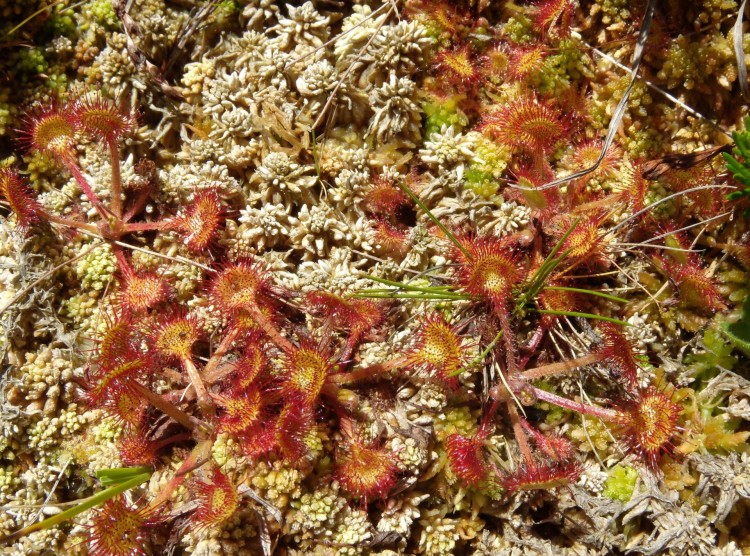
x=400, y=277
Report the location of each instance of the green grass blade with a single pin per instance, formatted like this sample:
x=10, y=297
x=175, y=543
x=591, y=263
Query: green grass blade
x=405, y=286
x=407, y=295
x=432, y=217
x=481, y=356
x=85, y=504
x=584, y=315
x=400, y=290
x=547, y=266
x=119, y=474
x=587, y=292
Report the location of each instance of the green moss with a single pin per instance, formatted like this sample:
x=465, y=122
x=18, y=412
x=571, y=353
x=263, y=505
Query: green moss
x=443, y=112
x=643, y=143
x=519, y=29
x=457, y=420
x=61, y=24
x=480, y=182
x=717, y=354
x=560, y=69
x=491, y=158
x=104, y=13
x=31, y=61
x=224, y=12
x=7, y=110
x=57, y=82
x=739, y=332
x=621, y=483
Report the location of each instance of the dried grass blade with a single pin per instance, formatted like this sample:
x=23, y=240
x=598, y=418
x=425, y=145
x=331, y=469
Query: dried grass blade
x=619, y=112
x=739, y=52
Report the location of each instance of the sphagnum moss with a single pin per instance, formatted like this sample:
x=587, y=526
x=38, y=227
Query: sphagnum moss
x=331, y=295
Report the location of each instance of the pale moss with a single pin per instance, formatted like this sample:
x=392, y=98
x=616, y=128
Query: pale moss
x=80, y=307
x=46, y=435
x=224, y=450
x=277, y=483
x=106, y=430
x=642, y=143
x=595, y=435
x=409, y=455
x=614, y=13
x=96, y=269
x=7, y=110
x=457, y=420
x=39, y=166
x=315, y=510
x=700, y=65
x=438, y=536
x=352, y=532
x=9, y=482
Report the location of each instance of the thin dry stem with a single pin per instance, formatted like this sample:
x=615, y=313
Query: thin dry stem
x=561, y=367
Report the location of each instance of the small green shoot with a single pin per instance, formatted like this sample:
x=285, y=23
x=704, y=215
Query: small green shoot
x=739, y=332
x=536, y=282
x=481, y=356
x=740, y=168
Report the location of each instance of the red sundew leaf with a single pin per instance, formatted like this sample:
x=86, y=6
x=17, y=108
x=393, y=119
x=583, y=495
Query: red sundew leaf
x=553, y=18
x=466, y=458
x=526, y=124
x=101, y=118
x=128, y=409
x=240, y=410
x=389, y=239
x=356, y=315
x=384, y=198
x=542, y=476
x=648, y=422
x=491, y=270
x=140, y=291
x=437, y=350
x=306, y=369
x=556, y=447
x=526, y=60
x=50, y=130
x=199, y=222
x=365, y=471
x=459, y=66
x=295, y=423
x=119, y=529
x=239, y=286
x=252, y=364
x=136, y=449
x=218, y=500
x=173, y=335
x=617, y=352
x=110, y=380
x=21, y=199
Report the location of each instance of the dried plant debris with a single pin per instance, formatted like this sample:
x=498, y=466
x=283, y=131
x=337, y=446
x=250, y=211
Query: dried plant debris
x=373, y=277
